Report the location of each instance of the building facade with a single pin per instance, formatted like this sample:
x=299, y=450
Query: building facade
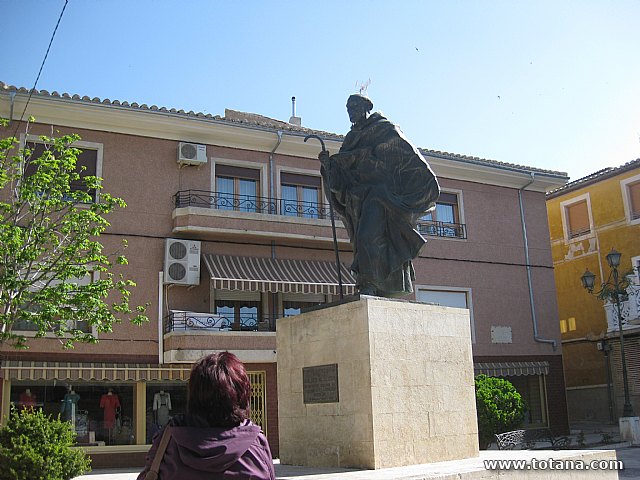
x=587, y=219
x=228, y=230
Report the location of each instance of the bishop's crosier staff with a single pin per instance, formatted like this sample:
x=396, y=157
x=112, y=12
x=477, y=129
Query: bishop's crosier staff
x=333, y=223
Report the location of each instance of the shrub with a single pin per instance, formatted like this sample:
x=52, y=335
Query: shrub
x=499, y=406
x=34, y=446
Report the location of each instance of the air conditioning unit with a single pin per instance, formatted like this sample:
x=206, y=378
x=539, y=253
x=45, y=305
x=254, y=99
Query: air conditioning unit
x=182, y=261
x=192, y=154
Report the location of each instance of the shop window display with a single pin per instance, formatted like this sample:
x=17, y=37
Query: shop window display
x=101, y=414
x=164, y=400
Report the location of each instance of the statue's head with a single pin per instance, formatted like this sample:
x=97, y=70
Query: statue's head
x=358, y=106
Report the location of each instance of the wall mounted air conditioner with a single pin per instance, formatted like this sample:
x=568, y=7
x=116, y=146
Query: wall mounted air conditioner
x=182, y=261
x=192, y=154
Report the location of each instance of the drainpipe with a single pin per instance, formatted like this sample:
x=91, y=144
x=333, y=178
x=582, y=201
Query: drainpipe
x=272, y=185
x=534, y=318
x=160, y=318
x=272, y=196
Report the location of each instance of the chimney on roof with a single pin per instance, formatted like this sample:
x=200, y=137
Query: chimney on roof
x=294, y=120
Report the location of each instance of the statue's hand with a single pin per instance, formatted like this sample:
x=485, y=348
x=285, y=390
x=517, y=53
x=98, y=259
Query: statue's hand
x=323, y=156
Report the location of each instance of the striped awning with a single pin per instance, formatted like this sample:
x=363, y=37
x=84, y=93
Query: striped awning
x=511, y=369
x=277, y=275
x=126, y=372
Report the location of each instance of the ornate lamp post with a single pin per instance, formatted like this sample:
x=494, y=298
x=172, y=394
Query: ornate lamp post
x=588, y=281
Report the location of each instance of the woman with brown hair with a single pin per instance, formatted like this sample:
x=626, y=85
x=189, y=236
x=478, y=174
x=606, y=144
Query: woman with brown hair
x=215, y=439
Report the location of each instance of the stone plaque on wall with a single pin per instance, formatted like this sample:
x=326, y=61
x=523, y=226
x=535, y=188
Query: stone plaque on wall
x=501, y=334
x=320, y=384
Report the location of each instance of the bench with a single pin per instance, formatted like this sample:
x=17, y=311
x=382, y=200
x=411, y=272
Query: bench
x=529, y=439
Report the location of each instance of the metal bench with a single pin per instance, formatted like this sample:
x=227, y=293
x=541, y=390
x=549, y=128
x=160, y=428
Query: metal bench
x=529, y=439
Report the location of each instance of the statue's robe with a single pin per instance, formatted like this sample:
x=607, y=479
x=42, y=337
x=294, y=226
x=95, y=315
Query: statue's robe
x=380, y=185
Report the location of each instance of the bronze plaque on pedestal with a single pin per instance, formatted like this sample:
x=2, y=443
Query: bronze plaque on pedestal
x=320, y=384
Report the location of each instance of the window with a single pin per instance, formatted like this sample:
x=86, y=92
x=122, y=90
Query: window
x=444, y=221
x=448, y=297
x=237, y=189
x=577, y=221
x=241, y=314
x=23, y=325
x=578, y=217
x=240, y=310
x=301, y=196
x=634, y=197
x=631, y=198
x=295, y=303
x=93, y=417
x=88, y=164
x=163, y=401
x=568, y=325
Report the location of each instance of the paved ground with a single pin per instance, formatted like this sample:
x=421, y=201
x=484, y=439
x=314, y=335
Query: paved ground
x=631, y=458
x=592, y=436
x=629, y=455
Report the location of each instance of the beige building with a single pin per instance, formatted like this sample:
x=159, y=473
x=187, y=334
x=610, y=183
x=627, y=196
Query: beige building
x=228, y=231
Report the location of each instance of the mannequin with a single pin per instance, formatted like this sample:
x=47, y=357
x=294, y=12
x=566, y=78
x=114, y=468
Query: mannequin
x=109, y=402
x=162, y=407
x=27, y=399
x=69, y=405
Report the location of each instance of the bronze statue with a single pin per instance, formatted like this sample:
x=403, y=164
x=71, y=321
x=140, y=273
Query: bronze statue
x=380, y=185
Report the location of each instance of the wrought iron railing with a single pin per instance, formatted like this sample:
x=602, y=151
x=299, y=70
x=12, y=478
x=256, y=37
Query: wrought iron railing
x=303, y=209
x=224, y=201
x=194, y=321
x=442, y=229
x=249, y=203
x=579, y=232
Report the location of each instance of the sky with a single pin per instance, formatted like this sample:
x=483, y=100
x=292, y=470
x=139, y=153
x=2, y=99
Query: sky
x=547, y=84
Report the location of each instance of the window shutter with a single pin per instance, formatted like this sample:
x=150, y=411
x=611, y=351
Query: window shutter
x=296, y=179
x=578, y=217
x=237, y=172
x=634, y=200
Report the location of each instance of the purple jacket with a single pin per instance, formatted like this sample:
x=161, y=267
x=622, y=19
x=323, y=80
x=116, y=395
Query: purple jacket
x=209, y=453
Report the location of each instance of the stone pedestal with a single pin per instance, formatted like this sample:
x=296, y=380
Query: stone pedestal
x=630, y=429
x=405, y=385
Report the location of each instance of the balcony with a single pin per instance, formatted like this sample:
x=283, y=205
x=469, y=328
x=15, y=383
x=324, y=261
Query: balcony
x=434, y=228
x=248, y=203
x=189, y=336
x=630, y=307
x=180, y=321
x=223, y=215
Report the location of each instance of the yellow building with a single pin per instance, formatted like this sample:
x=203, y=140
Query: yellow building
x=587, y=219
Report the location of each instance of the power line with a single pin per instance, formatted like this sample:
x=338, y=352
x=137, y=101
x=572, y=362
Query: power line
x=41, y=67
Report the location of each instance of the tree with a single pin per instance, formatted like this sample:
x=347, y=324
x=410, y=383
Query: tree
x=36, y=446
x=50, y=244
x=499, y=406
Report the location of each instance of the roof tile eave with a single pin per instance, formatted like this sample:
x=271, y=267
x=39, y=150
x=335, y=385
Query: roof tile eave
x=592, y=178
x=492, y=163
x=268, y=123
x=262, y=122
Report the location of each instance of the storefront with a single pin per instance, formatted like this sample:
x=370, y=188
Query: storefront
x=109, y=404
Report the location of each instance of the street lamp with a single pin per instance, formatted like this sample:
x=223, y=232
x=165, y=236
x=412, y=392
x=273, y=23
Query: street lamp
x=588, y=281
